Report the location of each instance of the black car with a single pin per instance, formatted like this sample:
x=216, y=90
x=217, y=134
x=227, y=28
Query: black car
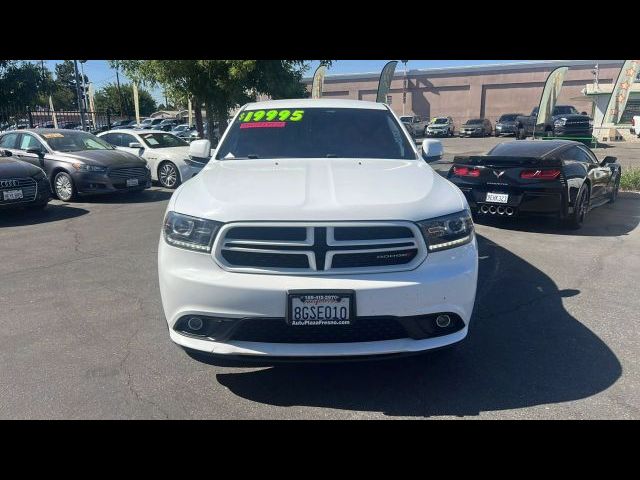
x=122, y=124
x=78, y=162
x=22, y=184
x=561, y=178
x=565, y=121
x=507, y=124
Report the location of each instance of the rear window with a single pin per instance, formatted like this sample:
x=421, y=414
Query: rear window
x=532, y=148
x=316, y=133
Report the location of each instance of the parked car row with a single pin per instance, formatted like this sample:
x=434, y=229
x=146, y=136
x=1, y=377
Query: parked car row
x=39, y=162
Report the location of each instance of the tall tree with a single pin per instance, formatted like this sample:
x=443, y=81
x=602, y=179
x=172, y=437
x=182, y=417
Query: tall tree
x=23, y=84
x=108, y=98
x=221, y=85
x=64, y=95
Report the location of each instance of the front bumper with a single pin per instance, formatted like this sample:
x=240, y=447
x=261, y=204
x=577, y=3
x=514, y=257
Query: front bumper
x=91, y=183
x=568, y=131
x=471, y=133
x=193, y=284
x=506, y=130
x=437, y=133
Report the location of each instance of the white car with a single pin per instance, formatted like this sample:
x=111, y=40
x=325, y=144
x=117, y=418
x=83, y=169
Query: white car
x=317, y=230
x=636, y=125
x=167, y=155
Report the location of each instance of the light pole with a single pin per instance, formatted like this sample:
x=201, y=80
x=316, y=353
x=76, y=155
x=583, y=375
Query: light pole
x=84, y=87
x=404, y=87
x=75, y=67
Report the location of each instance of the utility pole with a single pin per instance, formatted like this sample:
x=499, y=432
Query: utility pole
x=118, y=85
x=75, y=68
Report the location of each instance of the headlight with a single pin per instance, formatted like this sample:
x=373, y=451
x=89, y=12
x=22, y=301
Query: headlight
x=560, y=122
x=82, y=167
x=191, y=233
x=448, y=231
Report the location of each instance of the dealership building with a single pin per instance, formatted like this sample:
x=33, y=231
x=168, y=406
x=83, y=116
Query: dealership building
x=486, y=91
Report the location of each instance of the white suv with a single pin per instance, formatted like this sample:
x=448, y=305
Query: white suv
x=317, y=230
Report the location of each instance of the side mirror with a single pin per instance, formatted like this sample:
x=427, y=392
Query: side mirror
x=607, y=160
x=135, y=145
x=200, y=149
x=36, y=151
x=431, y=150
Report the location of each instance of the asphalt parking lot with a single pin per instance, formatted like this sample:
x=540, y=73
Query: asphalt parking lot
x=555, y=334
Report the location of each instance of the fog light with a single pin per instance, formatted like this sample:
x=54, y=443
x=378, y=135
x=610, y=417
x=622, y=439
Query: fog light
x=194, y=323
x=443, y=321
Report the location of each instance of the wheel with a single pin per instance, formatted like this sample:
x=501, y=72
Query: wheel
x=576, y=219
x=613, y=196
x=63, y=187
x=168, y=175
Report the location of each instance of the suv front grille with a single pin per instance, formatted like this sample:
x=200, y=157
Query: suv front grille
x=319, y=248
x=28, y=186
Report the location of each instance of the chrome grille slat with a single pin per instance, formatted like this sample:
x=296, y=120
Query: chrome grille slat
x=403, y=252
x=127, y=172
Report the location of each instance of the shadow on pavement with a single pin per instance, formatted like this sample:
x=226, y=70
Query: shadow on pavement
x=615, y=219
x=523, y=349
x=144, y=196
x=26, y=216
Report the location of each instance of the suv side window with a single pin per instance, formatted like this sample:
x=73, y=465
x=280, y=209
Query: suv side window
x=577, y=154
x=9, y=140
x=126, y=139
x=29, y=141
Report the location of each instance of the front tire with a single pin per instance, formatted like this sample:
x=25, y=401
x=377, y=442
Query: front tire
x=63, y=187
x=169, y=175
x=613, y=196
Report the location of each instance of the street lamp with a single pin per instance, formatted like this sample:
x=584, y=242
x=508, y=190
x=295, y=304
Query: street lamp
x=404, y=87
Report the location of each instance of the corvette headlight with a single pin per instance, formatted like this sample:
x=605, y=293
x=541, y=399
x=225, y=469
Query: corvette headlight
x=448, y=231
x=191, y=233
x=83, y=167
x=560, y=122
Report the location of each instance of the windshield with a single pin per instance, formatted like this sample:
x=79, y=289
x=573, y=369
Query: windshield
x=564, y=110
x=74, y=142
x=162, y=140
x=508, y=118
x=440, y=121
x=475, y=121
x=316, y=133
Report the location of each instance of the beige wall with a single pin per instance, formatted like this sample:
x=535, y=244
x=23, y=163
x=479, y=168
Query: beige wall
x=465, y=95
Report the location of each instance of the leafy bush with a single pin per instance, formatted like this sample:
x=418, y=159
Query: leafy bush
x=630, y=179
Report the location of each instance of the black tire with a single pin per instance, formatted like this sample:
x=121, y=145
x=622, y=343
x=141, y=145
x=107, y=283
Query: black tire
x=64, y=188
x=576, y=219
x=613, y=196
x=169, y=175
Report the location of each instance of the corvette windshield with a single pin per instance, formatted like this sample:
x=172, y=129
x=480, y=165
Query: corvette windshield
x=316, y=133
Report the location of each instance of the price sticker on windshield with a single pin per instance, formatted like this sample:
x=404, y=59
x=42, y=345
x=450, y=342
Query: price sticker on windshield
x=53, y=135
x=269, y=118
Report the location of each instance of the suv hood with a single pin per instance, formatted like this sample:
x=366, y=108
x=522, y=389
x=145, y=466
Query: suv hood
x=103, y=158
x=317, y=189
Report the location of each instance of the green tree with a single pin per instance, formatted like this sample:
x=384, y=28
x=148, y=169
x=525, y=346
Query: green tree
x=107, y=98
x=23, y=84
x=221, y=85
x=64, y=94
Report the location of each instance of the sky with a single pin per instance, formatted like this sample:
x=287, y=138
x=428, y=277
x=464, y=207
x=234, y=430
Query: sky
x=101, y=74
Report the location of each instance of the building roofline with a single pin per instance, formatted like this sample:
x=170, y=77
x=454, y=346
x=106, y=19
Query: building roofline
x=471, y=69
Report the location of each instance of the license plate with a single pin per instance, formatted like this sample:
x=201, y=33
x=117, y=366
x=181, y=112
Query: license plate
x=497, y=197
x=313, y=308
x=12, y=195
x=132, y=182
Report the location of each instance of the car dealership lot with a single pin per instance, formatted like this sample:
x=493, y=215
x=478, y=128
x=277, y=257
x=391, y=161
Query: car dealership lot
x=555, y=333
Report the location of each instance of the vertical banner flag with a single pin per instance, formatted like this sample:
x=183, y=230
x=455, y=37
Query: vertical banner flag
x=318, y=82
x=550, y=95
x=620, y=93
x=135, y=103
x=190, y=113
x=384, y=84
x=91, y=104
x=53, y=112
